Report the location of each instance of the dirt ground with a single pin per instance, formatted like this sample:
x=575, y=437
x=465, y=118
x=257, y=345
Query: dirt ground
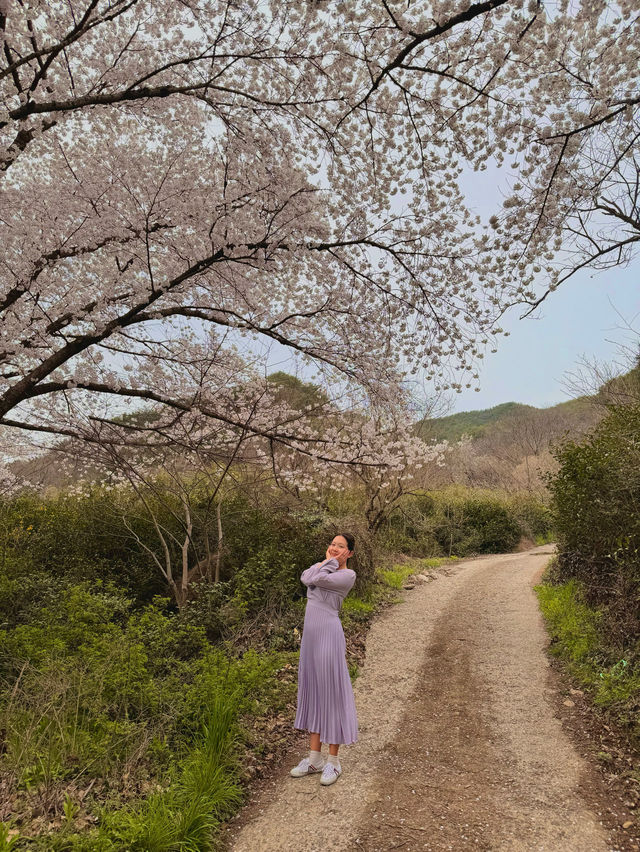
x=469, y=739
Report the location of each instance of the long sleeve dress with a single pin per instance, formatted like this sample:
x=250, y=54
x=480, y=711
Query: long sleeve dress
x=325, y=697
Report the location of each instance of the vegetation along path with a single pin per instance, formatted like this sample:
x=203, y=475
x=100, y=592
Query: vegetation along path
x=460, y=746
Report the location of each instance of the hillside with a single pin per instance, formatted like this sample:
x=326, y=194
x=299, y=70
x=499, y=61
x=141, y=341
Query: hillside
x=453, y=426
x=577, y=413
x=511, y=446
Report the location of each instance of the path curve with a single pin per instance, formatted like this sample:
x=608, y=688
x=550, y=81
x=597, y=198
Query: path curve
x=459, y=745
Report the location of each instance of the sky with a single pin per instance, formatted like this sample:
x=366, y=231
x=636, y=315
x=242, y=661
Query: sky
x=583, y=318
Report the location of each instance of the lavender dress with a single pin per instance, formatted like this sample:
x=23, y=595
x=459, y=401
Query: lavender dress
x=325, y=696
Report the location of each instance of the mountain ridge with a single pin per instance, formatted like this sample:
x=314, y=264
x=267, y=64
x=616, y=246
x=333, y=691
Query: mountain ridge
x=477, y=422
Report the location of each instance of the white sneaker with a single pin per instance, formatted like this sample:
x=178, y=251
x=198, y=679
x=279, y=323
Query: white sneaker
x=330, y=774
x=305, y=767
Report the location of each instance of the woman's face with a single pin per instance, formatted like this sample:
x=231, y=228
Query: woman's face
x=339, y=549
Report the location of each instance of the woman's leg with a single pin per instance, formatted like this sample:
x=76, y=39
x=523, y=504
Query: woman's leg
x=333, y=749
x=314, y=742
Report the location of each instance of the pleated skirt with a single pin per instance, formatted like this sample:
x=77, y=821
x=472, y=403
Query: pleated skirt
x=326, y=705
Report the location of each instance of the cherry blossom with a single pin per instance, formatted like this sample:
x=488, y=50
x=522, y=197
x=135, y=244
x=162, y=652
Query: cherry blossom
x=183, y=180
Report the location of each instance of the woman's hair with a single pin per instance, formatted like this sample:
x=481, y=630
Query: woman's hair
x=351, y=542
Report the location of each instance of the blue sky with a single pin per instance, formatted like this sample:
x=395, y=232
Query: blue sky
x=582, y=318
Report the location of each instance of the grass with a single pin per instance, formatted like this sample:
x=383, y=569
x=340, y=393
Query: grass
x=396, y=577
x=609, y=675
x=572, y=624
x=357, y=609
x=181, y=816
x=179, y=776
x=9, y=838
x=548, y=538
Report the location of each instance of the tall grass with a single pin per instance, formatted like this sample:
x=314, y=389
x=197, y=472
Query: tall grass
x=202, y=789
x=8, y=842
x=183, y=818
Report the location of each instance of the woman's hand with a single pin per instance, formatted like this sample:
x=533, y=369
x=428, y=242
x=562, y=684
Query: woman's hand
x=341, y=558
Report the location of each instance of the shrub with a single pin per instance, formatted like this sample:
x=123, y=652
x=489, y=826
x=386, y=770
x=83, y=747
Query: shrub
x=533, y=517
x=476, y=524
x=66, y=540
x=409, y=528
x=267, y=581
x=460, y=521
x=206, y=608
x=166, y=637
x=596, y=493
x=133, y=700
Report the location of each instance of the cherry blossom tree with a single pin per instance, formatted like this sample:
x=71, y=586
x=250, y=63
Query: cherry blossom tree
x=410, y=467
x=180, y=179
x=575, y=199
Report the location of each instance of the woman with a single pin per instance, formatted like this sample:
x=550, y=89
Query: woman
x=326, y=707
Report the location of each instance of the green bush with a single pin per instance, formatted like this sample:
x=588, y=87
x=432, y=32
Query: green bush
x=49, y=543
x=165, y=636
x=479, y=524
x=93, y=690
x=596, y=494
x=533, y=517
x=79, y=616
x=24, y=591
x=206, y=608
x=267, y=581
x=78, y=689
x=409, y=529
x=459, y=521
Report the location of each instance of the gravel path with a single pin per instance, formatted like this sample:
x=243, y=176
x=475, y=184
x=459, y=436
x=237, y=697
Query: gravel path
x=459, y=745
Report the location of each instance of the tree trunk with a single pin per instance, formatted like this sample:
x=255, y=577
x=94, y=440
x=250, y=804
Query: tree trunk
x=219, y=553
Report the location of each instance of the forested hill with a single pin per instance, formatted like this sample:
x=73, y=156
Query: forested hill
x=577, y=413
x=573, y=417
x=472, y=423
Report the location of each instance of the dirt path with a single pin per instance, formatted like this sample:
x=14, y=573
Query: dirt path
x=459, y=745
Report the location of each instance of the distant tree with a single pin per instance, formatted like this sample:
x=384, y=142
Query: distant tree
x=513, y=452
x=296, y=393
x=411, y=460
x=616, y=382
